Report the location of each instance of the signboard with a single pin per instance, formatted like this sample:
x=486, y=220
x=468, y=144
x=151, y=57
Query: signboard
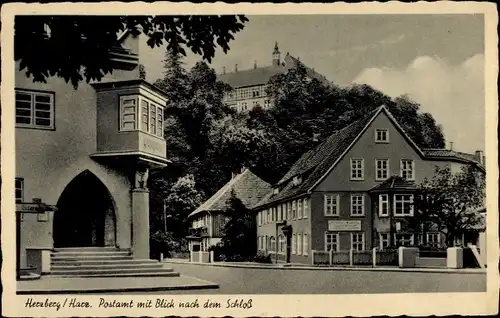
x=30, y=207
x=344, y=225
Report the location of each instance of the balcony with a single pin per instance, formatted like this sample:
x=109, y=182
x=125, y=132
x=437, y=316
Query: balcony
x=198, y=232
x=130, y=123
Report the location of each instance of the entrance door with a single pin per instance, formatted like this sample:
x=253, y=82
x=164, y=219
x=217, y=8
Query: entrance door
x=83, y=214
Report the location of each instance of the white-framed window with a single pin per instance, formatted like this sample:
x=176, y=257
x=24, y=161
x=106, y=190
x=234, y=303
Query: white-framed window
x=19, y=190
x=384, y=240
x=294, y=209
x=289, y=212
x=305, y=244
x=306, y=208
x=269, y=215
x=282, y=243
x=140, y=113
x=381, y=135
x=358, y=241
x=357, y=205
x=128, y=113
x=259, y=243
x=331, y=242
x=266, y=247
x=433, y=239
x=331, y=202
x=403, y=204
x=381, y=169
x=407, y=167
x=299, y=209
x=294, y=244
x=299, y=244
x=259, y=218
x=402, y=239
x=35, y=109
x=357, y=169
x=283, y=211
x=279, y=215
x=383, y=205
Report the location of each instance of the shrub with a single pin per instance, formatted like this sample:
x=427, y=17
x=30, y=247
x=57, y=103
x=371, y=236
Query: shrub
x=262, y=257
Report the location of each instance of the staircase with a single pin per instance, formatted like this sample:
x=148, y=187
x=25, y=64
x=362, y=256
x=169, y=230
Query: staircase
x=104, y=262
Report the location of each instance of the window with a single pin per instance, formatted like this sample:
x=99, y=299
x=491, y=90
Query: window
x=279, y=215
x=403, y=239
x=403, y=205
x=382, y=169
x=294, y=209
x=384, y=241
x=331, y=204
x=299, y=208
x=128, y=113
x=294, y=244
x=306, y=208
x=358, y=241
x=283, y=211
x=272, y=244
x=19, y=188
x=357, y=205
x=407, y=168
x=269, y=215
x=147, y=118
x=381, y=135
x=282, y=243
x=34, y=109
x=305, y=244
x=266, y=248
x=259, y=218
x=331, y=242
x=289, y=212
x=357, y=169
x=383, y=205
x=299, y=244
x=433, y=239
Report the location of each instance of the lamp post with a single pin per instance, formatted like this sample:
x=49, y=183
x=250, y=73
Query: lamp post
x=278, y=224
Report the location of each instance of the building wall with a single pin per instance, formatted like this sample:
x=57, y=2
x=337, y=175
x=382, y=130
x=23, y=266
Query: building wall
x=48, y=160
x=302, y=226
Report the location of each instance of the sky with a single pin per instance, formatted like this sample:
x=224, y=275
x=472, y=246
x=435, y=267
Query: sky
x=438, y=60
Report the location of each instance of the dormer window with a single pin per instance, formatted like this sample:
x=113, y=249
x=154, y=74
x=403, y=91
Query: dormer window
x=276, y=190
x=297, y=180
x=140, y=113
x=382, y=135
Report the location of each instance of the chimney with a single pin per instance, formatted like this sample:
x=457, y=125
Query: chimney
x=480, y=156
x=451, y=145
x=255, y=64
x=223, y=70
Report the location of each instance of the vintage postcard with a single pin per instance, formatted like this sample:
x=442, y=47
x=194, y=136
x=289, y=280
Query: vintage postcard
x=249, y=159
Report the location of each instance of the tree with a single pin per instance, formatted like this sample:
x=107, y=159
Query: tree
x=239, y=234
x=78, y=47
x=451, y=201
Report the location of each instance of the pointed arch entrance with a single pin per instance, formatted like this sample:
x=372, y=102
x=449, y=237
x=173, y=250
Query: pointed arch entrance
x=85, y=215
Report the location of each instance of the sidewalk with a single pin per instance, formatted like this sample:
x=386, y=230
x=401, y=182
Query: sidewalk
x=79, y=285
x=295, y=266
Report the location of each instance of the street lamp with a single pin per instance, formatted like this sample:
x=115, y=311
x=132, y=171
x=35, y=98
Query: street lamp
x=278, y=224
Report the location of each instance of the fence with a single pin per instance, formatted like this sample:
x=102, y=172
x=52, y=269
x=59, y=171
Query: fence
x=374, y=257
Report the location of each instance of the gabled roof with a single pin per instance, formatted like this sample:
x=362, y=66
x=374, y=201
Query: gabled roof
x=314, y=164
x=262, y=75
x=248, y=188
x=395, y=183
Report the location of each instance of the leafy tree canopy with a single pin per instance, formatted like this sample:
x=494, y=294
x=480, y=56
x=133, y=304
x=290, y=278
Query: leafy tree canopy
x=66, y=46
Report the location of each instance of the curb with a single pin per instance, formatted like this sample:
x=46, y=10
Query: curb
x=372, y=269
x=117, y=290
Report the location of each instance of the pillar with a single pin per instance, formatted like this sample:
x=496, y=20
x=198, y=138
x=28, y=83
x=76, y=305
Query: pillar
x=140, y=223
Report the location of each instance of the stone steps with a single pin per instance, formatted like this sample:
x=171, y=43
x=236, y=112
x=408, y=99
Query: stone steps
x=104, y=262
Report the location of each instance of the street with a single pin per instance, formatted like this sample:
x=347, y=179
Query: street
x=272, y=281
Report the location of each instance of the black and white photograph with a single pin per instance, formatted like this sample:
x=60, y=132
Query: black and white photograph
x=207, y=161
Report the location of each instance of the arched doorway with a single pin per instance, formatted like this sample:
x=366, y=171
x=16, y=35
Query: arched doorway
x=85, y=215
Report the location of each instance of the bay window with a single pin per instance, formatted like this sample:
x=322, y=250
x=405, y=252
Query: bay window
x=140, y=113
x=403, y=205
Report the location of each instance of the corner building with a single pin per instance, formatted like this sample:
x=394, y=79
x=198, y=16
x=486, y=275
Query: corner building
x=353, y=191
